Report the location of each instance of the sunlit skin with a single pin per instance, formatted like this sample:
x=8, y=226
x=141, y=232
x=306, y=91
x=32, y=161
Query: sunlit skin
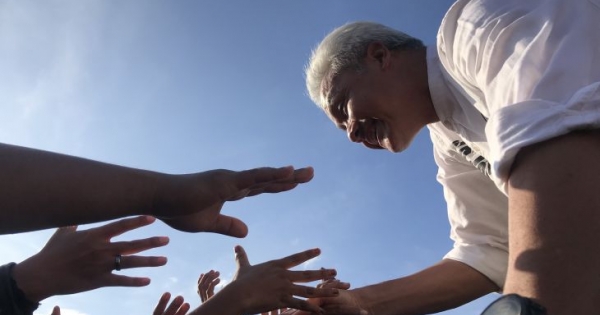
x=386, y=103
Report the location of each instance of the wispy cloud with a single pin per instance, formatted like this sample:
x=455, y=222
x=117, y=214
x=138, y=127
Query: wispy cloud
x=309, y=264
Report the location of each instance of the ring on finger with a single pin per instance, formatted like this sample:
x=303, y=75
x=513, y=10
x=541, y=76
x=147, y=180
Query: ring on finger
x=118, y=262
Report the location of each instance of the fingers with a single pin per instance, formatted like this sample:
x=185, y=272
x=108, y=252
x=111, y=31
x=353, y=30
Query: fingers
x=133, y=247
x=113, y=280
x=230, y=226
x=302, y=175
x=162, y=304
x=128, y=262
x=119, y=227
x=174, y=307
x=241, y=258
x=303, y=305
x=310, y=292
x=258, y=176
x=183, y=309
x=298, y=258
x=310, y=275
x=334, y=283
x=56, y=310
x=206, y=284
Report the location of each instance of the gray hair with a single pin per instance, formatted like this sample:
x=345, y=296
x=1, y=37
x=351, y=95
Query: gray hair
x=344, y=48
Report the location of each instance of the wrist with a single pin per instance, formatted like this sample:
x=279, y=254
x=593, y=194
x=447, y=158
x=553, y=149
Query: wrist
x=29, y=281
x=221, y=303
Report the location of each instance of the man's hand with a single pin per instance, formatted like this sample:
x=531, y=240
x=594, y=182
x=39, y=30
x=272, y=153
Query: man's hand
x=192, y=203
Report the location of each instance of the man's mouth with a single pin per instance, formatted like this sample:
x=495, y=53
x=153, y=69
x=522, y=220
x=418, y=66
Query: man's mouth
x=373, y=136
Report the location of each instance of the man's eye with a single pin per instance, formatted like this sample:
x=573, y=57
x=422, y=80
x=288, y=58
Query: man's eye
x=342, y=108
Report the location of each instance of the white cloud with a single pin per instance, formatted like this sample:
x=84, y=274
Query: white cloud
x=309, y=264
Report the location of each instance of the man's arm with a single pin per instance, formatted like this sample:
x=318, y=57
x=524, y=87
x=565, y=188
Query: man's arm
x=554, y=211
x=443, y=286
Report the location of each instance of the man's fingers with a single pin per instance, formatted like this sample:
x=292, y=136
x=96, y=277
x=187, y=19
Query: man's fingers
x=241, y=258
x=310, y=275
x=162, y=304
x=56, y=310
x=310, y=292
x=334, y=283
x=121, y=226
x=303, y=305
x=298, y=258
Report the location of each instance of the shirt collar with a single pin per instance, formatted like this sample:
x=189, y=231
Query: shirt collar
x=443, y=101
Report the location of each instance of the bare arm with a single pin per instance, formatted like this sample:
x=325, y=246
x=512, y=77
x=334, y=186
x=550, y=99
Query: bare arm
x=52, y=190
x=40, y=189
x=554, y=211
x=443, y=286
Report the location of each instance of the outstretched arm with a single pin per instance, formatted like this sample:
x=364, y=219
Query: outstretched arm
x=51, y=190
x=443, y=286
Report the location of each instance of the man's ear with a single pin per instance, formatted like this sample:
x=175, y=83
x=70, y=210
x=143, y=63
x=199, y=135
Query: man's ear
x=377, y=51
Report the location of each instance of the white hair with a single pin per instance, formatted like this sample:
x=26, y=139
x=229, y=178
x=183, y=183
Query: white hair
x=344, y=48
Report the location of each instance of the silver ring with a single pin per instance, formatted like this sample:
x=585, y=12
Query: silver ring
x=118, y=262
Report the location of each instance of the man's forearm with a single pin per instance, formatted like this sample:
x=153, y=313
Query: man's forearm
x=40, y=189
x=443, y=286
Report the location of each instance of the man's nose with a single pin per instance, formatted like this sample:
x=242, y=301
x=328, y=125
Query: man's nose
x=353, y=131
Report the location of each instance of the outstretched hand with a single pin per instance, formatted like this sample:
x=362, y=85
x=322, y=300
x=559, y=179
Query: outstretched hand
x=76, y=261
x=271, y=285
x=206, y=284
x=193, y=202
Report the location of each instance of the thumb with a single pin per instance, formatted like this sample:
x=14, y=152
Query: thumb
x=63, y=231
x=56, y=310
x=241, y=258
x=230, y=226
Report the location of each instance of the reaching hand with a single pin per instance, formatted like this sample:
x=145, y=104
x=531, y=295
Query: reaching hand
x=55, y=310
x=270, y=285
x=76, y=261
x=177, y=306
x=206, y=284
x=193, y=202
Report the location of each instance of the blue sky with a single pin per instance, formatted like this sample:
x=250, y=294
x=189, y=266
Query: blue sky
x=186, y=86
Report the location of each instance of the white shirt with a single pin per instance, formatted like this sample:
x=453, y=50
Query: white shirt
x=506, y=74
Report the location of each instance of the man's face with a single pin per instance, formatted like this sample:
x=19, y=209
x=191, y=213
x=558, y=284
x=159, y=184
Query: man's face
x=376, y=105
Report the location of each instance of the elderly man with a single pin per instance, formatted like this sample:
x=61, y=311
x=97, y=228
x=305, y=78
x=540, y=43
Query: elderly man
x=511, y=97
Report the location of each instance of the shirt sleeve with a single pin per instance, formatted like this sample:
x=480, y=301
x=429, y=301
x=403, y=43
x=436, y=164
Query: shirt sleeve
x=533, y=66
x=477, y=212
